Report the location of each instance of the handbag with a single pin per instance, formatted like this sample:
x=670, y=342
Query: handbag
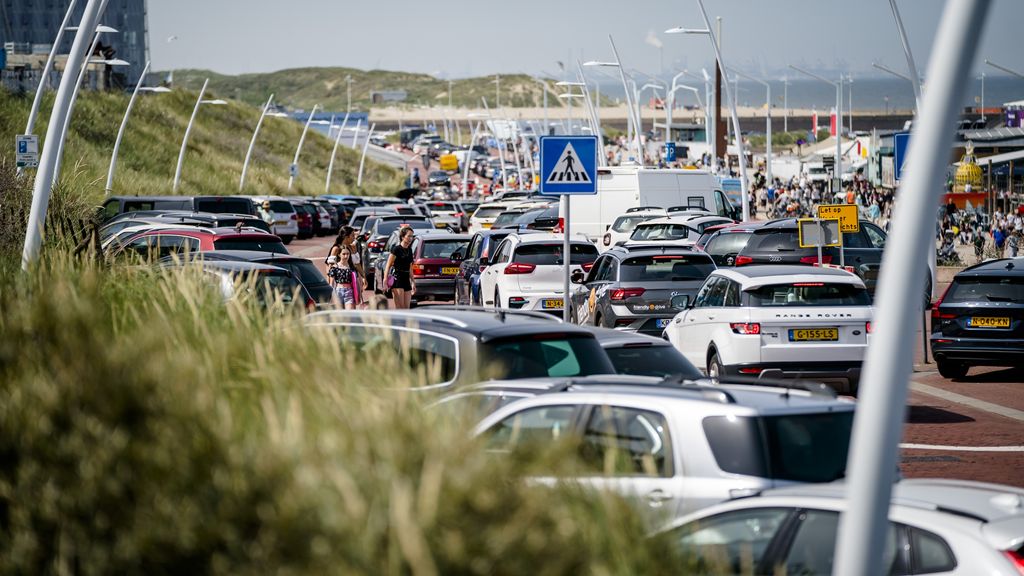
x=390, y=280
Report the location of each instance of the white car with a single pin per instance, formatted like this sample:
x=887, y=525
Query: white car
x=286, y=221
x=526, y=271
x=777, y=321
x=485, y=215
x=702, y=223
x=623, y=226
x=935, y=527
x=670, y=231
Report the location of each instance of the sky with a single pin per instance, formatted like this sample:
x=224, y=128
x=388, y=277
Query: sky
x=461, y=39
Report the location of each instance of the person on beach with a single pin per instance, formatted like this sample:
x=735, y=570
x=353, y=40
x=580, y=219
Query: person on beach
x=344, y=279
x=398, y=270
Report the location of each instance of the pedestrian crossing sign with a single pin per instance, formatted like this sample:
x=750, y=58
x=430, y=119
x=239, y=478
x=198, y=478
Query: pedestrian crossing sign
x=568, y=165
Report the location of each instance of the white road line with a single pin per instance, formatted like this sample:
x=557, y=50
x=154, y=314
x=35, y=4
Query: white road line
x=962, y=448
x=968, y=401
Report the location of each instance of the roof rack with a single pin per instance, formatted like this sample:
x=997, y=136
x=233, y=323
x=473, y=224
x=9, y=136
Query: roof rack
x=815, y=388
x=673, y=383
x=502, y=312
x=671, y=209
x=642, y=209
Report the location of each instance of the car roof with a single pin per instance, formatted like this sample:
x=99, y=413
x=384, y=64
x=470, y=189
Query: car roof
x=998, y=268
x=247, y=256
x=483, y=324
x=644, y=249
x=541, y=237
x=439, y=234
x=760, y=275
x=677, y=219
x=703, y=219
x=220, y=232
x=609, y=338
x=236, y=266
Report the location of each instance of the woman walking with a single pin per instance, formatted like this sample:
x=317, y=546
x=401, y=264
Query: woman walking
x=347, y=239
x=344, y=279
x=398, y=270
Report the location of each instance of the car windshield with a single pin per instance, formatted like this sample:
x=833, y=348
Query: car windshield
x=774, y=241
x=794, y=447
x=280, y=206
x=225, y=205
x=660, y=361
x=627, y=223
x=666, y=268
x=664, y=231
x=267, y=244
x=551, y=254
x=808, y=294
x=442, y=248
x=386, y=228
x=985, y=289
x=542, y=355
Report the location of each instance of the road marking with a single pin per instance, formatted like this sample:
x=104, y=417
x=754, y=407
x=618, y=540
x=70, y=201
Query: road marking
x=962, y=448
x=968, y=401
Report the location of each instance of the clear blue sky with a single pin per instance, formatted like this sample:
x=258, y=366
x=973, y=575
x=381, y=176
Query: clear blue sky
x=460, y=39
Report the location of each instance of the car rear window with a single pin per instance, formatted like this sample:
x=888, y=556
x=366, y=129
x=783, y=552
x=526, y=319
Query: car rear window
x=628, y=223
x=795, y=447
x=281, y=206
x=730, y=243
x=775, y=241
x=985, y=289
x=660, y=361
x=661, y=232
x=304, y=270
x=442, y=248
x=808, y=294
x=433, y=358
x=443, y=207
x=543, y=355
x=268, y=244
x=507, y=218
x=489, y=211
x=225, y=205
x=666, y=268
x=551, y=253
x=386, y=228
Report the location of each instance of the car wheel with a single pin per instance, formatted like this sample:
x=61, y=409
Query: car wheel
x=952, y=369
x=599, y=320
x=714, y=366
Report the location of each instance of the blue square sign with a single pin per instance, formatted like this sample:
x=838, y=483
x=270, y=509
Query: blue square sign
x=568, y=165
x=900, y=142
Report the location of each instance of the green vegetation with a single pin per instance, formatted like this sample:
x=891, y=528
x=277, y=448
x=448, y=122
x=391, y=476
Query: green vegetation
x=216, y=150
x=306, y=87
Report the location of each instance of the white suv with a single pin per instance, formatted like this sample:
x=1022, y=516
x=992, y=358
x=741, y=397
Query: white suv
x=624, y=225
x=526, y=271
x=777, y=321
x=286, y=222
x=668, y=231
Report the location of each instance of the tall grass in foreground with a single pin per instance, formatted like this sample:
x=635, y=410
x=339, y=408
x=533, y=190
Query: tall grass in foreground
x=148, y=428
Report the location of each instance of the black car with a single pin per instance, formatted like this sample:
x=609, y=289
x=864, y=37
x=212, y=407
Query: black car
x=724, y=245
x=373, y=240
x=639, y=355
x=979, y=321
x=639, y=289
x=457, y=348
x=200, y=219
x=301, y=268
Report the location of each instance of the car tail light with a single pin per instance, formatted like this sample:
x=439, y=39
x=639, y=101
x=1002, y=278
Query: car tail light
x=293, y=217
x=1016, y=558
x=867, y=327
x=587, y=266
x=936, y=314
x=519, y=268
x=748, y=329
x=458, y=215
x=374, y=245
x=750, y=370
x=607, y=239
x=743, y=260
x=417, y=269
x=825, y=259
x=620, y=294
x=516, y=302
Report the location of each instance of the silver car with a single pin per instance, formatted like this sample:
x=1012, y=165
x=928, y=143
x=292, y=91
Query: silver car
x=676, y=450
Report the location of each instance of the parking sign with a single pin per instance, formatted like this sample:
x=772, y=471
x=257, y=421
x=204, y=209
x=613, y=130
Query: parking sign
x=26, y=150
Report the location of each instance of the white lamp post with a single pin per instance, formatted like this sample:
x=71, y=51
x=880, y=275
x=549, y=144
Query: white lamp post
x=745, y=196
x=839, y=132
x=252, y=142
x=334, y=152
x=914, y=76
x=629, y=96
x=188, y=131
x=124, y=123
x=298, y=149
x=497, y=90
x=469, y=153
x=768, y=125
x=362, y=159
x=670, y=103
x=501, y=148
x=785, y=104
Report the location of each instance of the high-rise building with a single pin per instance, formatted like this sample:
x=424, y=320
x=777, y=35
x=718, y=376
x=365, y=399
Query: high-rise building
x=32, y=25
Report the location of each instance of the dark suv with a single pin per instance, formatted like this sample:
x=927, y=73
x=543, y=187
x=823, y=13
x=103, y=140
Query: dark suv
x=456, y=348
x=979, y=321
x=725, y=244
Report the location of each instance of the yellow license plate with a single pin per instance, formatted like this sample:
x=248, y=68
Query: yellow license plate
x=549, y=303
x=486, y=225
x=280, y=222
x=440, y=225
x=989, y=322
x=446, y=271
x=813, y=334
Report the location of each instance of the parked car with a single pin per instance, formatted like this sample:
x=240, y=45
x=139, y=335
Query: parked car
x=634, y=354
x=526, y=271
x=780, y=321
x=485, y=214
x=359, y=215
x=710, y=231
x=979, y=320
x=639, y=290
x=724, y=245
x=373, y=241
x=265, y=282
x=160, y=242
x=623, y=226
x=668, y=231
x=675, y=450
x=439, y=178
x=286, y=219
x=467, y=280
x=115, y=205
x=449, y=214
x=433, y=267
x=457, y=348
x=935, y=527
x=198, y=219
x=301, y=268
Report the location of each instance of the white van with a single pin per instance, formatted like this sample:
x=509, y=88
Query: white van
x=620, y=188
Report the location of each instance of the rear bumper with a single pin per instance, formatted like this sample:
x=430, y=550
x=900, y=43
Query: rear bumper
x=820, y=371
x=434, y=289
x=978, y=352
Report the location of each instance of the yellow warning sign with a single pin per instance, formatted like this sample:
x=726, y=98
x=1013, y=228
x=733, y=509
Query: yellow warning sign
x=449, y=162
x=845, y=213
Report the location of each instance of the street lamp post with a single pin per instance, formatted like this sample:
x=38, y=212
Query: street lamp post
x=595, y=120
x=1004, y=69
x=768, y=125
x=497, y=91
x=334, y=153
x=362, y=159
x=348, y=93
x=745, y=196
x=124, y=123
x=469, y=153
x=911, y=66
x=252, y=142
x=293, y=170
x=501, y=147
x=631, y=111
x=785, y=104
x=188, y=131
x=839, y=114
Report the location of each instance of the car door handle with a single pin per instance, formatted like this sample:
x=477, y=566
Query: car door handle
x=655, y=498
x=711, y=317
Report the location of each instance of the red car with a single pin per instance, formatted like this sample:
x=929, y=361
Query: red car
x=161, y=242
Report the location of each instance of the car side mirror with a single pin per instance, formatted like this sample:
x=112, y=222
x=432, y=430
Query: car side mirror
x=680, y=302
x=577, y=277
x=482, y=261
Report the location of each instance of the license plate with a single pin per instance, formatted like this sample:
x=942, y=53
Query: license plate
x=663, y=322
x=989, y=322
x=549, y=303
x=280, y=222
x=449, y=271
x=440, y=225
x=486, y=225
x=813, y=334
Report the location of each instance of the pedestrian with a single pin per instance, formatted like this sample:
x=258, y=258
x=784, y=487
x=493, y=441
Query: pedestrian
x=1013, y=242
x=267, y=215
x=999, y=238
x=398, y=270
x=347, y=239
x=344, y=279
x=979, y=244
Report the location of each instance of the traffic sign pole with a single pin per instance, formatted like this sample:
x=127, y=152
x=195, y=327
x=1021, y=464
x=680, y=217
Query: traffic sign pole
x=566, y=258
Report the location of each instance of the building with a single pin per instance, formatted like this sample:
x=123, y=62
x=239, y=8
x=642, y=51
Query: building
x=29, y=27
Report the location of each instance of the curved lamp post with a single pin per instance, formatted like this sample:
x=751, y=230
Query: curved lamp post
x=124, y=123
x=298, y=150
x=334, y=152
x=768, y=124
x=252, y=142
x=188, y=131
x=839, y=127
